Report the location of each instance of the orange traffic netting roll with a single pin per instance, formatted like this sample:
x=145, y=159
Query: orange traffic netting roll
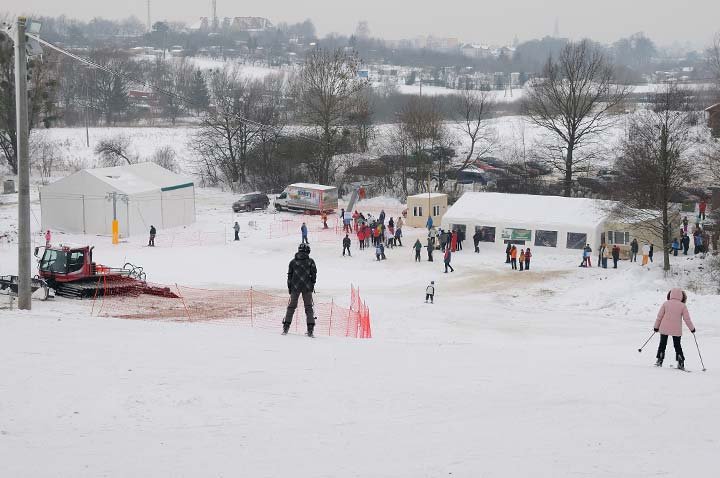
x=237, y=307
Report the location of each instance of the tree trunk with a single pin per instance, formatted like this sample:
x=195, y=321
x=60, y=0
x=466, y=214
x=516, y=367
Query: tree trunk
x=567, y=182
x=666, y=238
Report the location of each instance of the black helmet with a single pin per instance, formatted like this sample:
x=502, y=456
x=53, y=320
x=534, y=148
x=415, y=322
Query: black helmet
x=304, y=248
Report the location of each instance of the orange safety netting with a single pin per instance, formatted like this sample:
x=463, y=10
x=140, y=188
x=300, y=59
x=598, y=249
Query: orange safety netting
x=237, y=307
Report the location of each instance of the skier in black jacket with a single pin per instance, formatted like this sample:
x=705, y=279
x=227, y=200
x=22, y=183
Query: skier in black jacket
x=346, y=245
x=302, y=274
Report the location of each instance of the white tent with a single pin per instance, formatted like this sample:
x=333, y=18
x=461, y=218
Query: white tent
x=539, y=221
x=145, y=194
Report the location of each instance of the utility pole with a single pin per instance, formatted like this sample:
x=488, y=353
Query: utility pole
x=149, y=24
x=21, y=107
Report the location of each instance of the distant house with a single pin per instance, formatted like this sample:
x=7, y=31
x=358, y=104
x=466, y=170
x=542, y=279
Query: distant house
x=712, y=114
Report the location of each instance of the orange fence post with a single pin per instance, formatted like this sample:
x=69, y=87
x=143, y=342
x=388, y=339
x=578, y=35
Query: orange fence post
x=187, y=312
x=332, y=306
x=252, y=324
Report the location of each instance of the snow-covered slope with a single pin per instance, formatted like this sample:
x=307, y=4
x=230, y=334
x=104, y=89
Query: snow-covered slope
x=507, y=374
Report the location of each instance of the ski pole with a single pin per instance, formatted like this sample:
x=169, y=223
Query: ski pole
x=646, y=342
x=698, y=349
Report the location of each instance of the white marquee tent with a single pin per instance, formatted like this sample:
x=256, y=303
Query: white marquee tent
x=146, y=194
x=539, y=221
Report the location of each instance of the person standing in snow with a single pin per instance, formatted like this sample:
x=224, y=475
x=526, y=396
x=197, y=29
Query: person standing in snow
x=701, y=208
x=48, y=237
x=346, y=245
x=355, y=217
x=430, y=246
x=303, y=233
x=398, y=237
x=430, y=292
x=615, y=255
x=476, y=241
x=605, y=255
x=634, y=248
x=508, y=250
x=454, y=240
x=302, y=274
x=461, y=238
x=685, y=224
x=417, y=247
x=236, y=228
x=153, y=232
x=399, y=223
x=528, y=255
x=378, y=251
x=669, y=323
x=429, y=223
x=323, y=217
x=381, y=217
x=651, y=251
x=645, y=253
x=588, y=249
x=513, y=257
x=675, y=246
x=447, y=258
x=686, y=244
x=522, y=259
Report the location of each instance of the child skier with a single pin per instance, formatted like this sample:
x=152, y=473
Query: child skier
x=669, y=322
x=430, y=292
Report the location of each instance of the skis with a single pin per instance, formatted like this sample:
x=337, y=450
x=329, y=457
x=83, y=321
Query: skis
x=675, y=367
x=681, y=369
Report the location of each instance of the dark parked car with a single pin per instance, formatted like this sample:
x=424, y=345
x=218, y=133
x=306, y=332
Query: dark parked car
x=251, y=201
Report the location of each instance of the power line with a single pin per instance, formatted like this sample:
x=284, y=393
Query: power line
x=158, y=89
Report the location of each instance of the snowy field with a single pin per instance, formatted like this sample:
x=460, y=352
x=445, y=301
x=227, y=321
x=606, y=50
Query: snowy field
x=508, y=374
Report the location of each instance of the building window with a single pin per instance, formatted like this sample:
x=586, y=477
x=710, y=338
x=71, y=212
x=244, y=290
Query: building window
x=487, y=233
x=436, y=210
x=417, y=211
x=618, y=237
x=546, y=238
x=576, y=240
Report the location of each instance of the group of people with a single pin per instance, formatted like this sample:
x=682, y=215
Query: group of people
x=511, y=257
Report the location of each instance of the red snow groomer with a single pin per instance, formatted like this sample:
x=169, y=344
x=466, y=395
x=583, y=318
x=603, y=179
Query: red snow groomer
x=71, y=272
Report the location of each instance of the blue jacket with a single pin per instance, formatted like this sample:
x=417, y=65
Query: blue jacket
x=303, y=230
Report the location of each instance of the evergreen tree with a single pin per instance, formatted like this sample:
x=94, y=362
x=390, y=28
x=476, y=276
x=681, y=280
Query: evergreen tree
x=199, y=93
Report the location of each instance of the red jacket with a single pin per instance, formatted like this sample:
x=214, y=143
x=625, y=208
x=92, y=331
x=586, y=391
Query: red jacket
x=528, y=255
x=703, y=206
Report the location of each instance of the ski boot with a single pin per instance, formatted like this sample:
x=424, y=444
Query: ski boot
x=310, y=328
x=286, y=328
x=681, y=362
x=660, y=360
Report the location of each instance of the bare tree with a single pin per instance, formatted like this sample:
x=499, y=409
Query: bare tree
x=44, y=157
x=326, y=89
x=473, y=111
x=424, y=129
x=165, y=157
x=713, y=56
x=573, y=101
x=115, y=151
x=655, y=165
x=247, y=112
x=361, y=119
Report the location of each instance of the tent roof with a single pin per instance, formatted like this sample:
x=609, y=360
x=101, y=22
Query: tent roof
x=139, y=178
x=525, y=210
x=426, y=195
x=318, y=187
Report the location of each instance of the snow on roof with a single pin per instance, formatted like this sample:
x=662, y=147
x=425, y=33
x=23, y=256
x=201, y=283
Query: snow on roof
x=426, y=195
x=139, y=178
x=312, y=186
x=710, y=108
x=527, y=210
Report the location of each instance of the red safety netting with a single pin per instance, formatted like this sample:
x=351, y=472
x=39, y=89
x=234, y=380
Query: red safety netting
x=248, y=307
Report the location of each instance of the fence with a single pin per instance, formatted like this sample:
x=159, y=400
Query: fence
x=247, y=307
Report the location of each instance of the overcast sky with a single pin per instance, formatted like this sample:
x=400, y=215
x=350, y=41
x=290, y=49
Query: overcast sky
x=665, y=21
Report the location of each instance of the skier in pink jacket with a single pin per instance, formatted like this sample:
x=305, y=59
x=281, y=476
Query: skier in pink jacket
x=669, y=322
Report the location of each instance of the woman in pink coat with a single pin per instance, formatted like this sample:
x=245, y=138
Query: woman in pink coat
x=669, y=322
